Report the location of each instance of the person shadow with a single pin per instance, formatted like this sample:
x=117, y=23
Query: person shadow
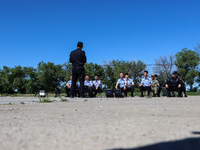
x=183, y=144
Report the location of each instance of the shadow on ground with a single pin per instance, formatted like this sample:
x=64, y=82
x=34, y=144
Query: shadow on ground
x=185, y=144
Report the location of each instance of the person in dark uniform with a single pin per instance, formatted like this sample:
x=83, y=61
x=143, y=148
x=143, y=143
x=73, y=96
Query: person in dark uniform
x=173, y=84
x=183, y=89
x=78, y=59
x=160, y=88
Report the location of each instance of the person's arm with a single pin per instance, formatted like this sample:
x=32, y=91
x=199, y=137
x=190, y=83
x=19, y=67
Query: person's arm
x=142, y=83
x=116, y=86
x=91, y=85
x=84, y=57
x=70, y=58
x=167, y=83
x=151, y=82
x=179, y=83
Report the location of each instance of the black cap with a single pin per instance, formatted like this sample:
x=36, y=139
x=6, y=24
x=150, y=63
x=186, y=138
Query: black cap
x=156, y=75
x=178, y=74
x=79, y=44
x=146, y=71
x=174, y=72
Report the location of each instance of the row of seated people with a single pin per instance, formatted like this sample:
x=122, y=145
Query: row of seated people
x=90, y=87
x=126, y=84
x=175, y=83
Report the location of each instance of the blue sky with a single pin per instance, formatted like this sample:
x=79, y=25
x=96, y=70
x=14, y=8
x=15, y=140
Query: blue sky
x=48, y=30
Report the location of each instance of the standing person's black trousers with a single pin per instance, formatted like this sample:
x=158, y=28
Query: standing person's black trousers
x=129, y=89
x=145, y=88
x=78, y=72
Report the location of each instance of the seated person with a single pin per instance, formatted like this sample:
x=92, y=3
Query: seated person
x=173, y=84
x=88, y=85
x=146, y=84
x=160, y=83
x=97, y=85
x=129, y=85
x=121, y=83
x=183, y=89
x=155, y=85
x=68, y=86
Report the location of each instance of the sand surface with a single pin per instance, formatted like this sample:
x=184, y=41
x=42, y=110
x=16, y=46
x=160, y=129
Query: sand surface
x=100, y=123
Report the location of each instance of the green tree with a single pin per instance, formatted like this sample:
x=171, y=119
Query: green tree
x=50, y=76
x=187, y=62
x=6, y=81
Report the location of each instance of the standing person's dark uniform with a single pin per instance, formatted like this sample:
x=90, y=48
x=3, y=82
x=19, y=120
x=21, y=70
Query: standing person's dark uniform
x=78, y=59
x=173, y=84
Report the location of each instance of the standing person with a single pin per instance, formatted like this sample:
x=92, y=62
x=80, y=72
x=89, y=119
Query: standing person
x=146, y=84
x=78, y=59
x=129, y=85
x=97, y=85
x=155, y=85
x=173, y=84
x=121, y=82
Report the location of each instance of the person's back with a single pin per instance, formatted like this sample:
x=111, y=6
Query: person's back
x=77, y=57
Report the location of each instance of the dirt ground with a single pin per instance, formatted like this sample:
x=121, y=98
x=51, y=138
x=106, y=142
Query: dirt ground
x=100, y=123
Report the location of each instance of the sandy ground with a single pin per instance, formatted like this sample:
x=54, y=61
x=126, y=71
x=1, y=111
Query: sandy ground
x=100, y=123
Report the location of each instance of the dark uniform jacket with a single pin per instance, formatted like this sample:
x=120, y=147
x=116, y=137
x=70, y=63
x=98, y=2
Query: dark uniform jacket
x=173, y=82
x=77, y=57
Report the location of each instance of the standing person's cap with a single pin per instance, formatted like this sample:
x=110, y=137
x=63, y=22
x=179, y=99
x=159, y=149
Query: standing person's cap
x=174, y=72
x=178, y=74
x=146, y=71
x=79, y=44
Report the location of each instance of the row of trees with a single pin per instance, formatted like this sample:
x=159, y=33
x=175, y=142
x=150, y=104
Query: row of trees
x=48, y=76
x=185, y=62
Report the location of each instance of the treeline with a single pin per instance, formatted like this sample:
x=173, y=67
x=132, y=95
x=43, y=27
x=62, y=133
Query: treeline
x=48, y=76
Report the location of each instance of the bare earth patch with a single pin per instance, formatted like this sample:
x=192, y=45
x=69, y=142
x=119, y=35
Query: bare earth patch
x=100, y=123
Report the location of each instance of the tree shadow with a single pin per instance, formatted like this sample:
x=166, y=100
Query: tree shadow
x=184, y=144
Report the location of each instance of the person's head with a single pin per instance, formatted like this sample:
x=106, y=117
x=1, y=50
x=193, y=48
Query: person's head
x=126, y=75
x=70, y=77
x=96, y=77
x=80, y=45
x=178, y=75
x=87, y=77
x=121, y=75
x=156, y=76
x=174, y=74
x=153, y=76
x=145, y=73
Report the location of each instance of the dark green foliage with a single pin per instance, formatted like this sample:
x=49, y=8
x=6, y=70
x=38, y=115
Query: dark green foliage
x=187, y=62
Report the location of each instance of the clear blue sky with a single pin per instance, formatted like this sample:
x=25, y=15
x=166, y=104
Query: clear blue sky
x=48, y=30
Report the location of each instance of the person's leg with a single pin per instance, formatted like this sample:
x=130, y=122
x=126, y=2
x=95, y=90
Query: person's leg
x=154, y=91
x=159, y=90
x=168, y=91
x=141, y=90
x=132, y=90
x=149, y=89
x=74, y=80
x=125, y=92
x=81, y=80
x=179, y=92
